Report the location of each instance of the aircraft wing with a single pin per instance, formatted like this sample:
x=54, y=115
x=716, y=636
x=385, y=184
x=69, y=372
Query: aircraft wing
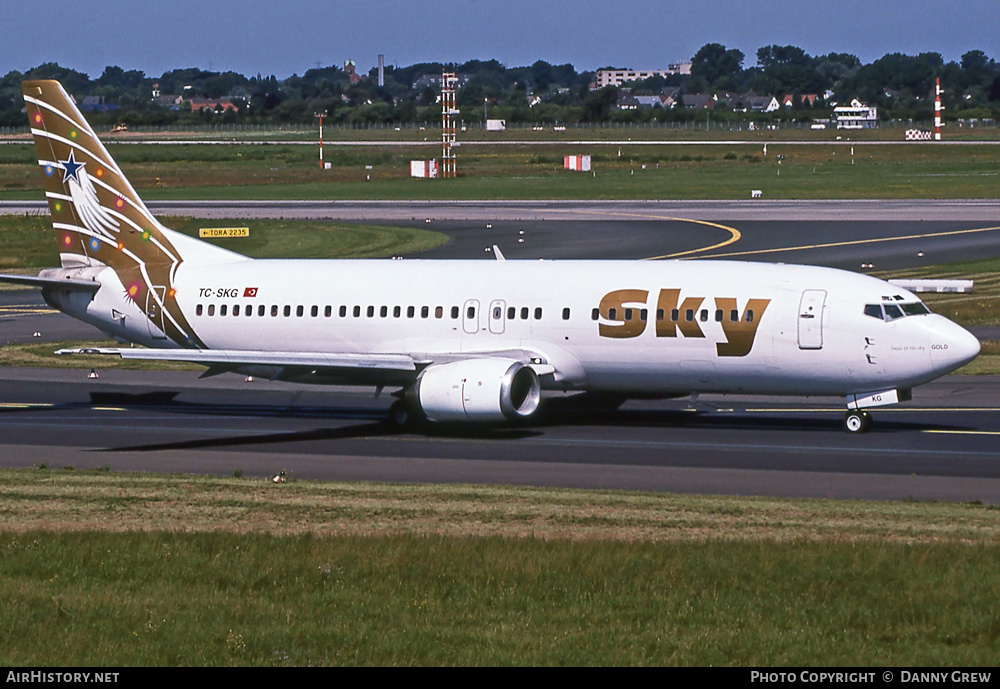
x=70, y=284
x=227, y=357
x=378, y=368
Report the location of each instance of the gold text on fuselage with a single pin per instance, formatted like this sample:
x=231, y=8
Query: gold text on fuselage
x=625, y=313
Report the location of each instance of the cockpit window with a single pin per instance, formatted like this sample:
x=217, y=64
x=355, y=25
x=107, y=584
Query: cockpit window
x=916, y=309
x=892, y=312
x=873, y=310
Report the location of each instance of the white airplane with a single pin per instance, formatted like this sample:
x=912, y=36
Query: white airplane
x=476, y=340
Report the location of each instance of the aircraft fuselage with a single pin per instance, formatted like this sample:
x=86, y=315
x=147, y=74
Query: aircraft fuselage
x=640, y=328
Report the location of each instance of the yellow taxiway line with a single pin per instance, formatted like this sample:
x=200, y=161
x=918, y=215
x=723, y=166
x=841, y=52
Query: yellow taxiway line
x=950, y=233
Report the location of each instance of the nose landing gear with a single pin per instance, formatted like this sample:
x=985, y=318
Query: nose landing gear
x=857, y=421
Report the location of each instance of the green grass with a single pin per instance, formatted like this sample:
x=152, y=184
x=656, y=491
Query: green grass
x=27, y=242
x=102, y=569
x=430, y=131
x=821, y=170
x=980, y=307
x=314, y=239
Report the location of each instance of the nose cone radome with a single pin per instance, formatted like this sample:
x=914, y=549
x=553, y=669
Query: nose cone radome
x=952, y=346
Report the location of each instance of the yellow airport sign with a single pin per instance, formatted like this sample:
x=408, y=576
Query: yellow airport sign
x=222, y=232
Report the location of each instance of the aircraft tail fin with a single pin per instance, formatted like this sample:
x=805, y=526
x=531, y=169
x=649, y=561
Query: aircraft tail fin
x=97, y=216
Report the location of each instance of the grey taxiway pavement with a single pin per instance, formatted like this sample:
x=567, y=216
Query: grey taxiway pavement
x=607, y=210
x=160, y=421
x=943, y=445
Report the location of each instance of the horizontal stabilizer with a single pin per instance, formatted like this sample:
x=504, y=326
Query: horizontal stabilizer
x=52, y=283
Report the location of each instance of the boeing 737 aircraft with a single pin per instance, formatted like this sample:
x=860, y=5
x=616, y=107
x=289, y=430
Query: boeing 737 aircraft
x=476, y=340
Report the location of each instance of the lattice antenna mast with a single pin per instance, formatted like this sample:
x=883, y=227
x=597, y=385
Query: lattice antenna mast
x=449, y=111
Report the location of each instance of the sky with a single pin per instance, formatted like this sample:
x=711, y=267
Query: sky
x=285, y=37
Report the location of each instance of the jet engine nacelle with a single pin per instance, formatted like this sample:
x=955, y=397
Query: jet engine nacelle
x=478, y=390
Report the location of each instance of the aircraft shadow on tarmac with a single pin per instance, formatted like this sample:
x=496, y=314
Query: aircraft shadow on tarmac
x=373, y=422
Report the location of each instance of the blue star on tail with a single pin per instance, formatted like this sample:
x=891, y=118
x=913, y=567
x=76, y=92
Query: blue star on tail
x=71, y=168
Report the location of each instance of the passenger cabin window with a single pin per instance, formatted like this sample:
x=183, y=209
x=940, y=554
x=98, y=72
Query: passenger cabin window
x=566, y=314
x=198, y=310
x=274, y=311
x=211, y=309
x=454, y=312
x=287, y=311
x=261, y=310
x=538, y=313
x=595, y=314
x=222, y=310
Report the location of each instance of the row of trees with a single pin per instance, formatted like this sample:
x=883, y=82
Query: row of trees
x=893, y=82
x=901, y=85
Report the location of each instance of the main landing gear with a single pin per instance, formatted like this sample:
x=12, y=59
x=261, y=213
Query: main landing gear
x=401, y=414
x=857, y=421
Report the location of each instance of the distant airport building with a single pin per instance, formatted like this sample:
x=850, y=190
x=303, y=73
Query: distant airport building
x=856, y=116
x=617, y=77
x=434, y=81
